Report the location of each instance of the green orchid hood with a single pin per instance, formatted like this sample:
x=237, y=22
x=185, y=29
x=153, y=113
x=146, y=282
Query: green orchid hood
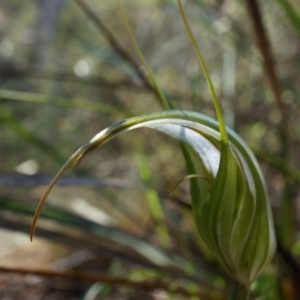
x=232, y=209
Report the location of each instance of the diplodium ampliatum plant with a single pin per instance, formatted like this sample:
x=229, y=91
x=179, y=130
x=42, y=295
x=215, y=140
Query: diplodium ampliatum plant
x=231, y=209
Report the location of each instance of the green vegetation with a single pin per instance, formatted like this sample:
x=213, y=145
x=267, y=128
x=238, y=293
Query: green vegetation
x=98, y=63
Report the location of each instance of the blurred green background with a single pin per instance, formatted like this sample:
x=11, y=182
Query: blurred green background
x=67, y=71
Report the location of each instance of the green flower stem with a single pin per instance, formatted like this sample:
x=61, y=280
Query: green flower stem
x=239, y=292
x=217, y=105
x=164, y=101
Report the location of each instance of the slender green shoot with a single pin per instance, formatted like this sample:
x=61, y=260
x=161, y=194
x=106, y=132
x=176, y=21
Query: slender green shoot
x=217, y=105
x=163, y=100
x=240, y=293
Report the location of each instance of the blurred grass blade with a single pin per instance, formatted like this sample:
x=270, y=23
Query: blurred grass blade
x=292, y=12
x=30, y=137
x=153, y=198
x=104, y=232
x=38, y=179
x=125, y=245
x=63, y=102
x=161, y=96
x=195, y=293
x=281, y=164
x=113, y=41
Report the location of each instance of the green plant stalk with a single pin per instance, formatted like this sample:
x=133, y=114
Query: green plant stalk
x=161, y=95
x=194, y=186
x=239, y=292
x=216, y=102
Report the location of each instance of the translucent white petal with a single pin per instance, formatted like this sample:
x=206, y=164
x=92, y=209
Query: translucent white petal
x=207, y=151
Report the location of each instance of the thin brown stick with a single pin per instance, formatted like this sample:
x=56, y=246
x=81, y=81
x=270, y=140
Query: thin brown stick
x=96, y=277
x=288, y=258
x=288, y=215
x=11, y=71
x=270, y=68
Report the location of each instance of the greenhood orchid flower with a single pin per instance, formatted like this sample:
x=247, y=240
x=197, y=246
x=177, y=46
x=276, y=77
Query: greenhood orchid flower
x=231, y=210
